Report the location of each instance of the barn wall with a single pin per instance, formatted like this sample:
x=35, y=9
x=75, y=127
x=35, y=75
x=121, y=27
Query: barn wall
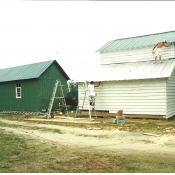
x=171, y=95
x=134, y=55
x=36, y=93
x=28, y=101
x=46, y=85
x=133, y=96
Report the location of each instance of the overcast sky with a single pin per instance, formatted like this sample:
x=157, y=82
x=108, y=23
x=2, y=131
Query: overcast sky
x=71, y=31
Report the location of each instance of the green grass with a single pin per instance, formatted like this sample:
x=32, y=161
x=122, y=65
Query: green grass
x=11, y=150
x=20, y=155
x=6, y=142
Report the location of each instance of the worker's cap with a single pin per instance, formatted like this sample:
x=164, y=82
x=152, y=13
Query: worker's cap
x=92, y=82
x=164, y=41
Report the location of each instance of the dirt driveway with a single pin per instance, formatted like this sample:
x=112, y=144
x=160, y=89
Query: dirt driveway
x=94, y=138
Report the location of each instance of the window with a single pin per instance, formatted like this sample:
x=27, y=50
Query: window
x=18, y=90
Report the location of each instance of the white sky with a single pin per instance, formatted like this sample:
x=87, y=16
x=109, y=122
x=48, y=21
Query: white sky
x=71, y=31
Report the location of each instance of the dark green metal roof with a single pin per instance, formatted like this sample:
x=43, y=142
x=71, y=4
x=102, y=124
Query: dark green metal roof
x=137, y=42
x=26, y=71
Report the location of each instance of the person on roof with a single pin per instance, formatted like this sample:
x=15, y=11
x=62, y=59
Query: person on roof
x=159, y=46
x=91, y=90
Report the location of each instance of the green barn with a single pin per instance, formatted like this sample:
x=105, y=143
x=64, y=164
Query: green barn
x=28, y=88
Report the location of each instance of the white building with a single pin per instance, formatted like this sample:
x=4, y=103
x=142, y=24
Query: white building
x=130, y=80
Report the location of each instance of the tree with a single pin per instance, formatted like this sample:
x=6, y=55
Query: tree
x=72, y=89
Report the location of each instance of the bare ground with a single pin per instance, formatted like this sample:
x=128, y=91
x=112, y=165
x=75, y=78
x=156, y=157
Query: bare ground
x=122, y=142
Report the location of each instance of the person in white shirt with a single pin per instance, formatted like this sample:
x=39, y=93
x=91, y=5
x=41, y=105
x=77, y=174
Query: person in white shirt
x=92, y=94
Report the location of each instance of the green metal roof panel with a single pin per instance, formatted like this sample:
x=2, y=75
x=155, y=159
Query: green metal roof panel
x=137, y=42
x=24, y=72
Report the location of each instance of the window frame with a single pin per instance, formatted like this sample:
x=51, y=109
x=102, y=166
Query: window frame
x=18, y=90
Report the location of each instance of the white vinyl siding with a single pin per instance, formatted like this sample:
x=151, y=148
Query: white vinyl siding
x=135, y=55
x=132, y=96
x=171, y=95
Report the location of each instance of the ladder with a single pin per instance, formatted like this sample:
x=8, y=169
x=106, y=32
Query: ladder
x=57, y=83
x=84, y=97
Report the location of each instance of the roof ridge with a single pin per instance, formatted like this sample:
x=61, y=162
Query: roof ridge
x=142, y=35
x=27, y=64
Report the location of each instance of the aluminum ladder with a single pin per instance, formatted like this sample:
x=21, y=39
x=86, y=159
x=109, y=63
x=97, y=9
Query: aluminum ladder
x=84, y=97
x=57, y=83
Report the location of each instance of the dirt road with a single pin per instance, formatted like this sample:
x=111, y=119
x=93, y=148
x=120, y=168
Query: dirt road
x=94, y=138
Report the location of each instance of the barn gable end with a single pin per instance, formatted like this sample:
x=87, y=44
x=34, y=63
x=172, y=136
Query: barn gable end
x=46, y=84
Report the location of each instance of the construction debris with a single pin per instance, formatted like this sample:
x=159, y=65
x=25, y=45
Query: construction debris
x=27, y=115
x=150, y=134
x=93, y=128
x=119, y=120
x=120, y=128
x=120, y=113
x=171, y=129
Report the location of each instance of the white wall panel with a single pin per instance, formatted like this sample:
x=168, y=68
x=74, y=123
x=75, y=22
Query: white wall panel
x=134, y=55
x=171, y=95
x=132, y=96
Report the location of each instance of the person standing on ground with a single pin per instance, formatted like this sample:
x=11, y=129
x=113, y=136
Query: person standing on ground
x=159, y=46
x=91, y=90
